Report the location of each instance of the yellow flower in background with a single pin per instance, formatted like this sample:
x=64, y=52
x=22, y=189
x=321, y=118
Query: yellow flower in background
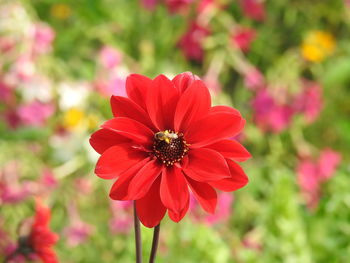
x=61, y=11
x=93, y=121
x=317, y=46
x=73, y=118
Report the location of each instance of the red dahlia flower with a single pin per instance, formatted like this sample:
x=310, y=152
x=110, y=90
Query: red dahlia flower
x=36, y=239
x=165, y=140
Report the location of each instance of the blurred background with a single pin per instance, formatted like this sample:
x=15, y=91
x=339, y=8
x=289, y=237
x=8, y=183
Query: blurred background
x=284, y=64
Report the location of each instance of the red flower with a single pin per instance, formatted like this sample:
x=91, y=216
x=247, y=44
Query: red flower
x=166, y=140
x=40, y=240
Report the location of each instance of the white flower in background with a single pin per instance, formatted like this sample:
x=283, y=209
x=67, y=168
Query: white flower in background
x=38, y=88
x=73, y=94
x=14, y=18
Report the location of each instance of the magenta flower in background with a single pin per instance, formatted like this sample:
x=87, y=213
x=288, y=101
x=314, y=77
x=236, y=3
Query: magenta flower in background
x=149, y=4
x=242, y=37
x=43, y=37
x=178, y=6
x=109, y=57
x=6, y=93
x=270, y=115
x=191, y=42
x=35, y=113
x=312, y=173
x=253, y=9
x=309, y=101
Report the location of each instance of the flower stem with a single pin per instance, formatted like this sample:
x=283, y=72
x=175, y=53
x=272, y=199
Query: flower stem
x=137, y=236
x=154, y=244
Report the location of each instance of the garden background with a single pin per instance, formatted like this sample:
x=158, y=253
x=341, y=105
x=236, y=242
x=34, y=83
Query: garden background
x=285, y=64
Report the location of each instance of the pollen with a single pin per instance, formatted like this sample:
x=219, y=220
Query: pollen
x=169, y=147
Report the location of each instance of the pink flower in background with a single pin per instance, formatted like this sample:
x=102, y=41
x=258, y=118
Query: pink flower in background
x=6, y=44
x=243, y=37
x=191, y=41
x=23, y=69
x=83, y=185
x=252, y=240
x=176, y=6
x=43, y=37
x=114, y=86
x=312, y=173
x=48, y=179
x=207, y=5
x=254, y=79
x=6, y=94
x=121, y=221
x=222, y=214
x=253, y=9
x=309, y=101
x=328, y=162
x=149, y=4
x=35, y=113
x=11, y=189
x=212, y=83
x=109, y=57
x=223, y=210
x=270, y=115
x=78, y=231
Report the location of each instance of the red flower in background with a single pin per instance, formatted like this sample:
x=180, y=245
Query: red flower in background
x=191, y=41
x=243, y=37
x=41, y=238
x=166, y=139
x=253, y=9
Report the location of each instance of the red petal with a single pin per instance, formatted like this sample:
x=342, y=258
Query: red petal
x=238, y=179
x=144, y=179
x=119, y=190
x=206, y=165
x=217, y=109
x=205, y=195
x=118, y=159
x=193, y=104
x=103, y=139
x=124, y=107
x=176, y=217
x=161, y=103
x=184, y=80
x=131, y=129
x=150, y=208
x=231, y=149
x=47, y=255
x=212, y=128
x=174, y=189
x=137, y=87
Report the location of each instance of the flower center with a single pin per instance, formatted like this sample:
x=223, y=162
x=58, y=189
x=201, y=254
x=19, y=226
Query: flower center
x=169, y=147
